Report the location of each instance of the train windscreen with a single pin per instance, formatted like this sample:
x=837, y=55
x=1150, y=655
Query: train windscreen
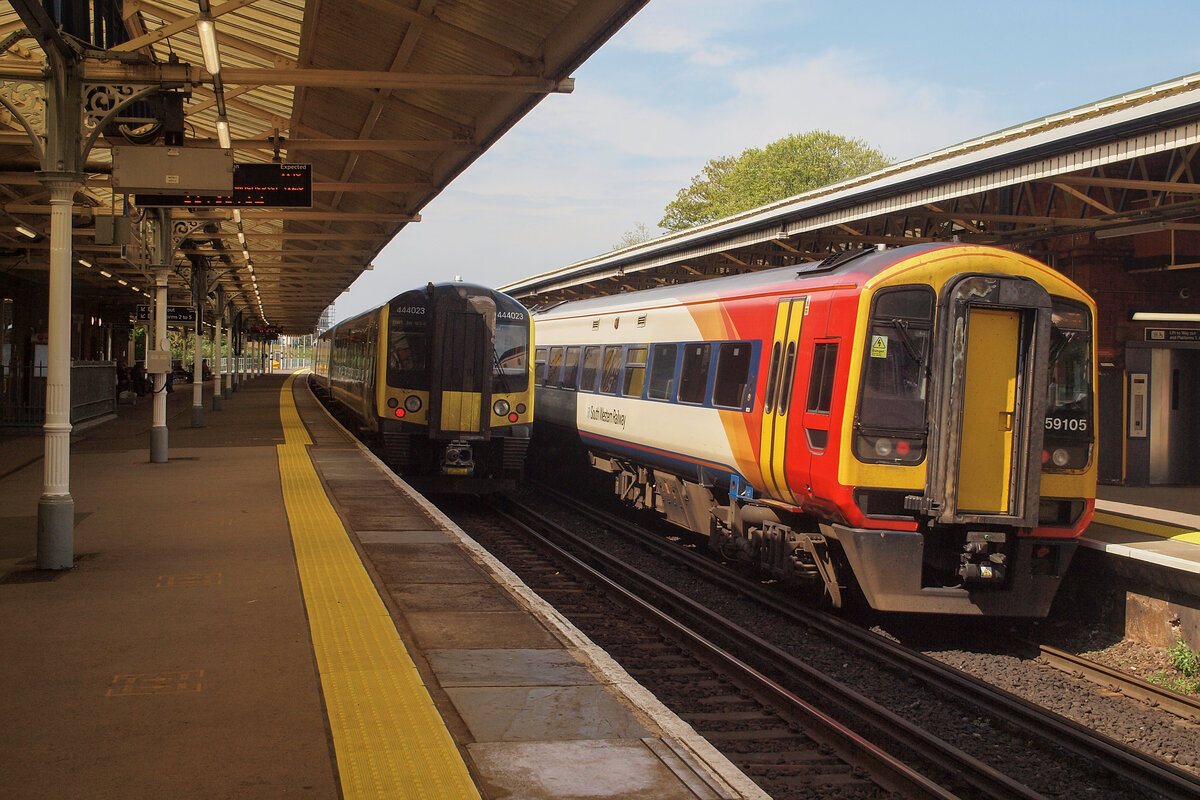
x=892, y=404
x=1069, y=424
x=509, y=366
x=408, y=342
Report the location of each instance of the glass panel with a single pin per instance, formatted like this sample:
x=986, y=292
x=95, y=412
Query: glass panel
x=635, y=372
x=509, y=370
x=662, y=372
x=693, y=380
x=1069, y=388
x=611, y=374
x=591, y=369
x=733, y=374
x=570, y=373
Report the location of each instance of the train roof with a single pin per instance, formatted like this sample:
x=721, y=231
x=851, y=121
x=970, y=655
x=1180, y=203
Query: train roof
x=852, y=266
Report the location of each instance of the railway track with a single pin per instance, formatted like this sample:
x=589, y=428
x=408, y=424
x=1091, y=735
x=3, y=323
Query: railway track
x=1101, y=763
x=788, y=747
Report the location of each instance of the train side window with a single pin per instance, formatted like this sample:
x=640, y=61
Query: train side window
x=820, y=383
x=635, y=372
x=785, y=379
x=772, y=378
x=554, y=366
x=591, y=368
x=610, y=376
x=662, y=371
x=570, y=372
x=733, y=375
x=539, y=366
x=693, y=379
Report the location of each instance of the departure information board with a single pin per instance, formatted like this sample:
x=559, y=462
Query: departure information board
x=254, y=186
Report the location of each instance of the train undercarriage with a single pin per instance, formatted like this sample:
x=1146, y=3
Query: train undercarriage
x=949, y=569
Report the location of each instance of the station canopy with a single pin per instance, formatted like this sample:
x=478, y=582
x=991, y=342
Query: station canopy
x=1112, y=184
x=386, y=101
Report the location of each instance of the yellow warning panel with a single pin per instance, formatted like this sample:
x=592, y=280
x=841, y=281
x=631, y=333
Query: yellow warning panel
x=1166, y=531
x=389, y=739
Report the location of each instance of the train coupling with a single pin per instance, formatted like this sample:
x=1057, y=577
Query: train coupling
x=983, y=560
x=458, y=458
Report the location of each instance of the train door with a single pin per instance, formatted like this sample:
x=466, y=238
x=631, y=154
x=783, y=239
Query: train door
x=989, y=407
x=461, y=368
x=995, y=340
x=777, y=399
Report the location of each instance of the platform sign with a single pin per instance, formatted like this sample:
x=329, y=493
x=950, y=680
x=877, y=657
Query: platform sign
x=254, y=186
x=1173, y=334
x=174, y=314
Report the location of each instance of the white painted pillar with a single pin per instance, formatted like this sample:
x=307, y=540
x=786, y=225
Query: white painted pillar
x=56, y=508
x=158, y=431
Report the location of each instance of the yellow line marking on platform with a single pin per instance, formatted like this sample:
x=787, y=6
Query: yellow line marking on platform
x=389, y=739
x=1172, y=532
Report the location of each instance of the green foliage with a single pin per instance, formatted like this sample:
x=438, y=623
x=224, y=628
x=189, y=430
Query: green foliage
x=1187, y=663
x=785, y=168
x=636, y=235
x=1183, y=658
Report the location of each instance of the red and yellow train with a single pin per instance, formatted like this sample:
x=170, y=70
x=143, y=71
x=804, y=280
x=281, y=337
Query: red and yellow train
x=917, y=422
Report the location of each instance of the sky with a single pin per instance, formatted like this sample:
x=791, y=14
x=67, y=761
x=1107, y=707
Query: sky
x=686, y=81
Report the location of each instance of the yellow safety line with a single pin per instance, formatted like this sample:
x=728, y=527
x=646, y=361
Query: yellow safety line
x=388, y=737
x=1172, y=532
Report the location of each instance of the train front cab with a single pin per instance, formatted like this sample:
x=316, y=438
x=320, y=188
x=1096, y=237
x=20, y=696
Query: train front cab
x=457, y=401
x=993, y=457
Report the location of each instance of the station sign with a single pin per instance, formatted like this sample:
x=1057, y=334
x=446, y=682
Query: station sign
x=174, y=314
x=1173, y=334
x=254, y=186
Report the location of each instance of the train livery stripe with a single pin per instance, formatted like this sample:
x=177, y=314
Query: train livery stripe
x=389, y=740
x=1172, y=532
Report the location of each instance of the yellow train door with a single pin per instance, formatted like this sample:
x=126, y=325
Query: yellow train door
x=777, y=400
x=989, y=408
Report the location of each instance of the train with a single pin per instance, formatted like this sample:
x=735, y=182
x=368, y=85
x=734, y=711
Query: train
x=913, y=427
x=440, y=382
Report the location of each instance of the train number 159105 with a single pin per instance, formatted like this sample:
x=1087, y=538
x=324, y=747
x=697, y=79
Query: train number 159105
x=1072, y=424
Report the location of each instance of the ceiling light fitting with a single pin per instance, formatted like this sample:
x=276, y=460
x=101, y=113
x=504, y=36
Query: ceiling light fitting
x=207, y=29
x=1164, y=316
x=223, y=133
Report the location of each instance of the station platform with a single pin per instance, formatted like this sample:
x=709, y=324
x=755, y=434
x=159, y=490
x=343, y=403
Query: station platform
x=1154, y=524
x=270, y=613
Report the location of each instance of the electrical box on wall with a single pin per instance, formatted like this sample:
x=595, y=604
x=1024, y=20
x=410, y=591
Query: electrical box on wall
x=1139, y=409
x=180, y=170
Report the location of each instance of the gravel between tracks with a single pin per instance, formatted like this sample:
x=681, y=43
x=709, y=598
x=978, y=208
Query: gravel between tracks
x=989, y=653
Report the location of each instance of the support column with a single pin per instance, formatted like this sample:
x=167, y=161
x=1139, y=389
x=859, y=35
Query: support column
x=198, y=371
x=199, y=282
x=158, y=431
x=218, y=381
x=56, y=508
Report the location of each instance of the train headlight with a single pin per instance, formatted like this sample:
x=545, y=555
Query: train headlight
x=883, y=447
x=412, y=403
x=500, y=407
x=1060, y=457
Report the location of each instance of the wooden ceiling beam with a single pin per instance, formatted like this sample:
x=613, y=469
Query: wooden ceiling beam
x=395, y=81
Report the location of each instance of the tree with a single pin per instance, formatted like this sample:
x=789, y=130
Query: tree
x=782, y=169
x=636, y=235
